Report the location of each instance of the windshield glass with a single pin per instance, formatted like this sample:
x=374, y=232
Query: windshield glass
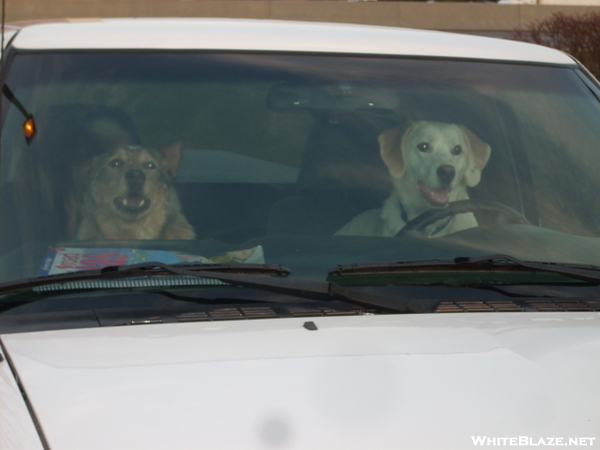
x=301, y=160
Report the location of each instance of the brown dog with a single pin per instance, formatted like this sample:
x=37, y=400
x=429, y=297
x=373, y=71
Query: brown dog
x=130, y=196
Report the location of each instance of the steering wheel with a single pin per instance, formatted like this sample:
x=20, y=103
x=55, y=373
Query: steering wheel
x=507, y=214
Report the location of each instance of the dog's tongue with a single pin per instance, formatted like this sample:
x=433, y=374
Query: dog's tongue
x=435, y=196
x=440, y=195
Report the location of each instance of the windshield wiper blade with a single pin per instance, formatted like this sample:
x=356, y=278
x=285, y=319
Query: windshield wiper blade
x=245, y=275
x=147, y=269
x=487, y=263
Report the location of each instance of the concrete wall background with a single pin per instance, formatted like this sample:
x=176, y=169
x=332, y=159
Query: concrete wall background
x=480, y=18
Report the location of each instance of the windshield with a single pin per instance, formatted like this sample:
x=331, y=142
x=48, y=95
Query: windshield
x=300, y=160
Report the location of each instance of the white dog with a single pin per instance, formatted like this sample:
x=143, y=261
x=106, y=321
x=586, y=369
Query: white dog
x=431, y=165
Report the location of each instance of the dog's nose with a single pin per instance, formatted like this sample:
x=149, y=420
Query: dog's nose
x=135, y=177
x=446, y=174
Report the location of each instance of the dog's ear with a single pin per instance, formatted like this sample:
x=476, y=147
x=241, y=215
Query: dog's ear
x=172, y=157
x=391, y=145
x=478, y=157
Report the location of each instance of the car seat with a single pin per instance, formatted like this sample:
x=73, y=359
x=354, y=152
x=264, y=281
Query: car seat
x=340, y=176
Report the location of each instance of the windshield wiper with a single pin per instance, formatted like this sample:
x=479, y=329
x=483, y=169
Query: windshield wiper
x=147, y=269
x=488, y=263
x=245, y=275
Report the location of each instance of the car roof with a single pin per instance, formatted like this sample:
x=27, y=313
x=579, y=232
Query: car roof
x=276, y=36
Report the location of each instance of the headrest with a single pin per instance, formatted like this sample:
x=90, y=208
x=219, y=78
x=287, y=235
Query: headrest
x=343, y=154
x=87, y=128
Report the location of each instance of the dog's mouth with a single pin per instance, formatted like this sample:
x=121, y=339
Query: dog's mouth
x=132, y=203
x=435, y=197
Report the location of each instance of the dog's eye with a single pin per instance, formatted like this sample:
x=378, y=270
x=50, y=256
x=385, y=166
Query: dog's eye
x=150, y=165
x=457, y=150
x=423, y=146
x=115, y=163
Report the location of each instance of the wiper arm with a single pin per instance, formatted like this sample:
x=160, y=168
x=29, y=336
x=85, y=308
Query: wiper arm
x=488, y=263
x=246, y=275
x=148, y=269
x=584, y=272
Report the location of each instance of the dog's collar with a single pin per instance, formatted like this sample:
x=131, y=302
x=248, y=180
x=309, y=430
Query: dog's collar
x=442, y=226
x=403, y=213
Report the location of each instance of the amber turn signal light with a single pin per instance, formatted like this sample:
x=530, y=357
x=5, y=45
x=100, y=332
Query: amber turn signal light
x=29, y=128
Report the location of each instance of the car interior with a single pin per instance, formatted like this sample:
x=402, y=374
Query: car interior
x=341, y=173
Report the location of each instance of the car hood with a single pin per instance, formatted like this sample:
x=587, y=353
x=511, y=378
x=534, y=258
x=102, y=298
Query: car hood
x=360, y=382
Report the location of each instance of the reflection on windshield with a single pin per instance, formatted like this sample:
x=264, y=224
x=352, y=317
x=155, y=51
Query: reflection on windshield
x=314, y=160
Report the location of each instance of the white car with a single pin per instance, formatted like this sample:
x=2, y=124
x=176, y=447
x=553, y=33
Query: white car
x=244, y=234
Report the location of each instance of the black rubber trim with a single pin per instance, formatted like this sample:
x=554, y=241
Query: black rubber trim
x=34, y=418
